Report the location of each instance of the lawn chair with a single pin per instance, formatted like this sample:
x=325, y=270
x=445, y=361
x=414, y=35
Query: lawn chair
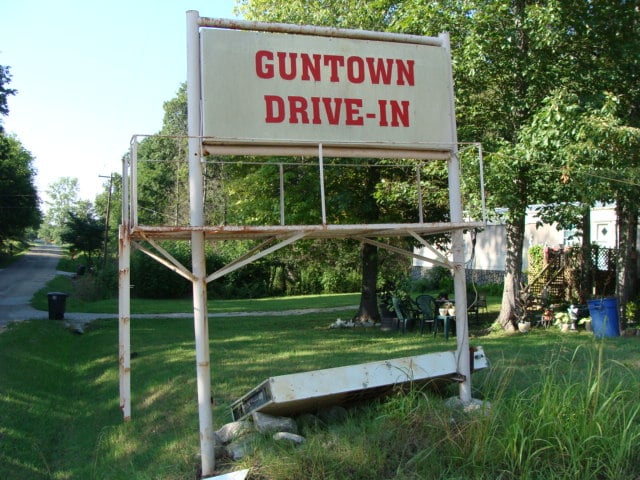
x=482, y=302
x=475, y=303
x=427, y=311
x=401, y=312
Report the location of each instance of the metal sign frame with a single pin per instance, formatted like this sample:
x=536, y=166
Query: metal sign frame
x=278, y=236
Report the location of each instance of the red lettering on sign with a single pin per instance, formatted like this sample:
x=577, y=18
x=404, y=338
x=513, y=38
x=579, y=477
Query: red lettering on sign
x=334, y=61
x=355, y=69
x=353, y=106
x=405, y=72
x=264, y=70
x=398, y=110
x=378, y=71
x=296, y=109
x=333, y=114
x=282, y=65
x=309, y=67
x=274, y=107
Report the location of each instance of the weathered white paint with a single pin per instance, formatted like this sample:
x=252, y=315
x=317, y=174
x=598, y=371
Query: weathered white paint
x=308, y=391
x=344, y=99
x=200, y=315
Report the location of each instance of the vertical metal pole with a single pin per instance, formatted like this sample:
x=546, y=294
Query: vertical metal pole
x=124, y=301
x=106, y=221
x=484, y=205
x=124, y=317
x=322, y=202
x=420, y=207
x=133, y=192
x=457, y=247
x=281, y=171
x=200, y=314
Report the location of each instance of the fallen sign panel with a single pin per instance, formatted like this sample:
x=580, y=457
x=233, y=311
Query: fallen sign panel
x=309, y=391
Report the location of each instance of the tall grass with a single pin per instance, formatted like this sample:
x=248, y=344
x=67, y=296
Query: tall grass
x=557, y=406
x=579, y=419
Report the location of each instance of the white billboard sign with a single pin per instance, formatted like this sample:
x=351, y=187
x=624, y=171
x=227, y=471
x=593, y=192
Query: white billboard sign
x=265, y=88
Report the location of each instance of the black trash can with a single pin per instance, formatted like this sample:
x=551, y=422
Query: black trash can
x=57, y=303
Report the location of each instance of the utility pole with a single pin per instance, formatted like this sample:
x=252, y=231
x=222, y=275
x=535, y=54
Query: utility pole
x=106, y=221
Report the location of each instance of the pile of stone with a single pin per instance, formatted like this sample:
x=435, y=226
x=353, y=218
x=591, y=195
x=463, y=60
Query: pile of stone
x=339, y=323
x=237, y=439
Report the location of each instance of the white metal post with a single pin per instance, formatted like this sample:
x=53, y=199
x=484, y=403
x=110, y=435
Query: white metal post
x=281, y=172
x=200, y=314
x=321, y=168
x=124, y=292
x=124, y=317
x=457, y=247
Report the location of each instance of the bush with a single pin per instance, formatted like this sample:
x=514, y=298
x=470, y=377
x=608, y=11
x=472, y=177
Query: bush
x=437, y=278
x=339, y=281
x=98, y=286
x=153, y=280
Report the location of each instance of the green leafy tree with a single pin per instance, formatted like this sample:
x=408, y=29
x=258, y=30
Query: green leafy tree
x=63, y=199
x=19, y=203
x=598, y=157
x=357, y=194
x=5, y=92
x=84, y=233
x=509, y=56
x=163, y=195
x=108, y=207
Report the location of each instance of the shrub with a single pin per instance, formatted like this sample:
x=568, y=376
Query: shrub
x=153, y=280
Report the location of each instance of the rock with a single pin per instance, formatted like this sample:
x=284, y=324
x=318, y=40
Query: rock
x=473, y=406
x=238, y=449
x=268, y=423
x=291, y=437
x=229, y=432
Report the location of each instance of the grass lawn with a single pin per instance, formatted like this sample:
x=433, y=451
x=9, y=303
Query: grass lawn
x=76, y=303
x=563, y=405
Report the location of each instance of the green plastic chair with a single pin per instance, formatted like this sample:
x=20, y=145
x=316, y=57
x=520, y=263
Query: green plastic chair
x=427, y=307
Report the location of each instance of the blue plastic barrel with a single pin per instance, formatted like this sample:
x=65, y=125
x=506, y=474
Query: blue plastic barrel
x=604, y=317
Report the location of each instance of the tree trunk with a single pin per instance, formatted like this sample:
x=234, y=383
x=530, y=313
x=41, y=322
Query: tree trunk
x=513, y=272
x=368, y=309
x=627, y=271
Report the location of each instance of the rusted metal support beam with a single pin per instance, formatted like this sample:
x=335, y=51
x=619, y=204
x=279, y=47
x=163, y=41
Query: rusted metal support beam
x=177, y=268
x=236, y=265
x=402, y=251
x=319, y=31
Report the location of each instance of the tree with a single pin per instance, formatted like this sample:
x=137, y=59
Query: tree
x=598, y=157
x=63, y=198
x=84, y=232
x=19, y=203
x=108, y=206
x=508, y=56
x=163, y=197
x=5, y=79
x=360, y=195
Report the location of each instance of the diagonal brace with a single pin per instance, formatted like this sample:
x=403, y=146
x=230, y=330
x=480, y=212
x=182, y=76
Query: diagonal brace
x=238, y=264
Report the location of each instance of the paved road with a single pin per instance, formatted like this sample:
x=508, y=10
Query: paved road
x=23, y=278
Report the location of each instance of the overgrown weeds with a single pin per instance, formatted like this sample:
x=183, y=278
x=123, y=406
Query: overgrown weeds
x=556, y=406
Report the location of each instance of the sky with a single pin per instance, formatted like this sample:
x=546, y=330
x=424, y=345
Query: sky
x=89, y=75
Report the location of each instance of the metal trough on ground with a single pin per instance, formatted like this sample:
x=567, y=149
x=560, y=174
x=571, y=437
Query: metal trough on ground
x=309, y=391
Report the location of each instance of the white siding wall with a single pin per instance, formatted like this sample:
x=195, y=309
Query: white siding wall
x=491, y=243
